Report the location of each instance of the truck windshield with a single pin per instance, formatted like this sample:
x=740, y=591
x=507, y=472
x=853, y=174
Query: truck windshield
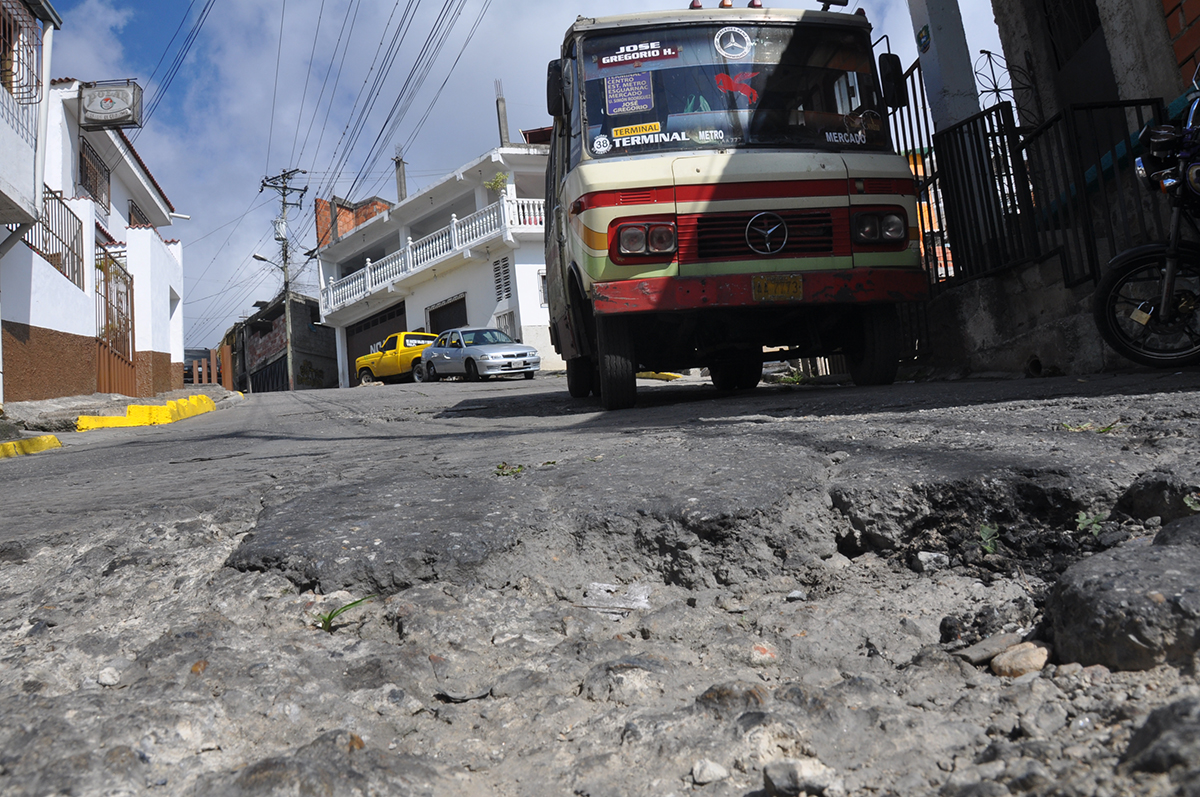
x=793, y=86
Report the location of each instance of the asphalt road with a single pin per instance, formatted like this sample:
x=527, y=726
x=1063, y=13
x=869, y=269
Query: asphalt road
x=276, y=447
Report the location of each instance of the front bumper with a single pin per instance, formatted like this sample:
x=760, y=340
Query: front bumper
x=503, y=367
x=659, y=294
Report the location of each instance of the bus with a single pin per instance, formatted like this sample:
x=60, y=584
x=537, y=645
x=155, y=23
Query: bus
x=722, y=181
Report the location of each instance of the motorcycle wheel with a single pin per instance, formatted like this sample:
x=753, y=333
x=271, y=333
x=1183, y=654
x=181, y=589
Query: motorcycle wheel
x=1132, y=288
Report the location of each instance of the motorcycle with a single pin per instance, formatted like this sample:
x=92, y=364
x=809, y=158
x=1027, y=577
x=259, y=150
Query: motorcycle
x=1147, y=306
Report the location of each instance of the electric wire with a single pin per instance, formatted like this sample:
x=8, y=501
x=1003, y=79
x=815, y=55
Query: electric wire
x=325, y=81
x=403, y=103
x=176, y=64
x=307, y=75
x=275, y=90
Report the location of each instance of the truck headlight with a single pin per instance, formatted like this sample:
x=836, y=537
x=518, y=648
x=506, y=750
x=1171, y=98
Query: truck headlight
x=879, y=228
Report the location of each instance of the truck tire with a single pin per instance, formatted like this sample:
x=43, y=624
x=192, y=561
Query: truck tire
x=365, y=377
x=618, y=363
x=874, y=359
x=579, y=377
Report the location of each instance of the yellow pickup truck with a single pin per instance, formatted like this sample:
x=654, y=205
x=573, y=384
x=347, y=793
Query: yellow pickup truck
x=394, y=358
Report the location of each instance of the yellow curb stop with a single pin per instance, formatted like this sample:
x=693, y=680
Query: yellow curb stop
x=146, y=415
x=30, y=445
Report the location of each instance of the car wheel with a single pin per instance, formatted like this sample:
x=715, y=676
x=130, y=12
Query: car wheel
x=472, y=371
x=418, y=372
x=431, y=374
x=618, y=363
x=365, y=376
x=529, y=374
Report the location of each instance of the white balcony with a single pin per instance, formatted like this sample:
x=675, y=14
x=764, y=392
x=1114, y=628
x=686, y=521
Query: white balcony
x=499, y=221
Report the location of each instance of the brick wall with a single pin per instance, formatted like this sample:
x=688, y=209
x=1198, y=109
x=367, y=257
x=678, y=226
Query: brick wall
x=1183, y=25
x=349, y=216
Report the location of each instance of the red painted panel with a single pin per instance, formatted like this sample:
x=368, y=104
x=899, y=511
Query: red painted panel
x=666, y=294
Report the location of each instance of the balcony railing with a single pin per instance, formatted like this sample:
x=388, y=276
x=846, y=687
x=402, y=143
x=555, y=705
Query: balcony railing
x=507, y=216
x=58, y=237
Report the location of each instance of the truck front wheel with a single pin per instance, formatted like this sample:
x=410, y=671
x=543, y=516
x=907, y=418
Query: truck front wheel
x=874, y=359
x=618, y=363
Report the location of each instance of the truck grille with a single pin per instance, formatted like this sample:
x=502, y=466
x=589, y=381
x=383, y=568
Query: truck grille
x=722, y=236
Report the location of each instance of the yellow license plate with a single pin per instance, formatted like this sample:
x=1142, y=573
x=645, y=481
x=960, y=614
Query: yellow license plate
x=777, y=288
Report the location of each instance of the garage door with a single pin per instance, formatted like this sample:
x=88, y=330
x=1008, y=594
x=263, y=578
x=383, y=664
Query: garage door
x=448, y=316
x=362, y=336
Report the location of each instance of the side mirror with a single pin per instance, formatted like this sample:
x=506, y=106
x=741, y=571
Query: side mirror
x=891, y=76
x=554, y=88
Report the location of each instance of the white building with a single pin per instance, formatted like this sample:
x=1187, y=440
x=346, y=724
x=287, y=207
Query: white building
x=467, y=250
x=92, y=298
x=26, y=36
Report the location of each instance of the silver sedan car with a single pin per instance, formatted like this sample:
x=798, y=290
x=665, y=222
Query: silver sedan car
x=476, y=353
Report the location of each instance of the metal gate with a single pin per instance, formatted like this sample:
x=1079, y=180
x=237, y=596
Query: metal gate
x=115, y=370
x=993, y=195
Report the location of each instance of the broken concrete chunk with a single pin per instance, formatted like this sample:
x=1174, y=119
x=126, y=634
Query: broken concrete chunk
x=988, y=649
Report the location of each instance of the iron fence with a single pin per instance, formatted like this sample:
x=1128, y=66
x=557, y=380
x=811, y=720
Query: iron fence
x=58, y=237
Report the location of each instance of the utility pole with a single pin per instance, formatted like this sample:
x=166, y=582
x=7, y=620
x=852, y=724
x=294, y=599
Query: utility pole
x=281, y=183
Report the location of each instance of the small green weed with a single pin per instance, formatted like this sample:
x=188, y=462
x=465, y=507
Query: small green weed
x=504, y=469
x=1115, y=426
x=988, y=535
x=1192, y=502
x=326, y=620
x=1086, y=522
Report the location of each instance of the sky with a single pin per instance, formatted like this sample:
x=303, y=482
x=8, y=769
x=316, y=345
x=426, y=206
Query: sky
x=263, y=86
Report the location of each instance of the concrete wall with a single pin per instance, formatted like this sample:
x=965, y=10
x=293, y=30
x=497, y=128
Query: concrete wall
x=1023, y=321
x=16, y=175
x=1149, y=51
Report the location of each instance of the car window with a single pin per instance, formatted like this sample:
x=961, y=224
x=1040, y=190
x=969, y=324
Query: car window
x=418, y=340
x=486, y=336
x=392, y=343
x=441, y=342
x=455, y=341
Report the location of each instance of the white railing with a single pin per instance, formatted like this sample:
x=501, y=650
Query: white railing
x=493, y=221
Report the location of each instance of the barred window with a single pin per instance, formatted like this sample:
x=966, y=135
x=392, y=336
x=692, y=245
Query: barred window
x=94, y=175
x=542, y=290
x=136, y=217
x=20, y=52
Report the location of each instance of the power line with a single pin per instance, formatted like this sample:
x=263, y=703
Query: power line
x=275, y=90
x=307, y=75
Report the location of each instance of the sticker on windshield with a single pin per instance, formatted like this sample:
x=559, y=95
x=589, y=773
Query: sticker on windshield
x=636, y=130
x=632, y=93
x=601, y=145
x=738, y=84
x=734, y=43
x=643, y=51
x=846, y=138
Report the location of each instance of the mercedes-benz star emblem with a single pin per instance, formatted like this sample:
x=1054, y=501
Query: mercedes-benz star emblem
x=767, y=234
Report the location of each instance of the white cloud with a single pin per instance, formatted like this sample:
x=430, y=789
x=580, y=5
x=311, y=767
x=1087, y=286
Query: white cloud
x=89, y=46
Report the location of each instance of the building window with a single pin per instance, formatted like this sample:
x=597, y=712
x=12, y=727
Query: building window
x=94, y=176
x=542, y=295
x=20, y=52
x=502, y=273
x=136, y=217
x=507, y=323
